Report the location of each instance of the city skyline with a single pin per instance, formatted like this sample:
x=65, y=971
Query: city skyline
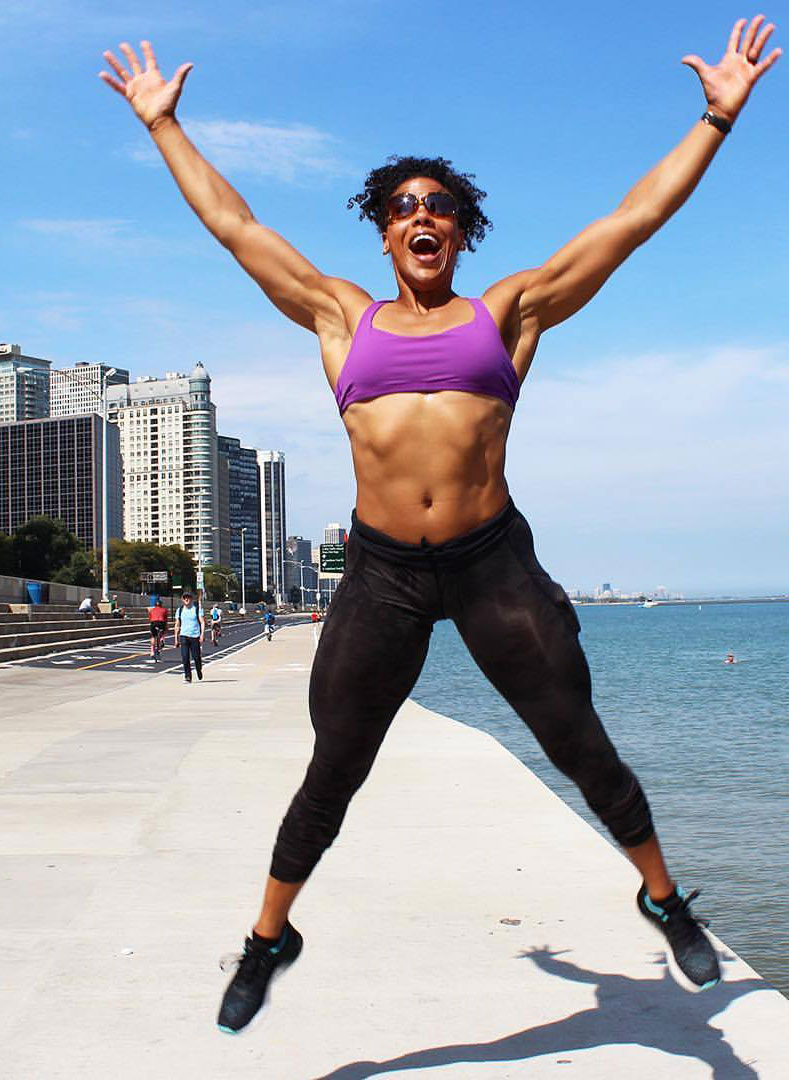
x=650, y=436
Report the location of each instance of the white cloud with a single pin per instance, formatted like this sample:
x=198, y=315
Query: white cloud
x=672, y=421
x=294, y=153
x=658, y=467
x=92, y=230
x=117, y=236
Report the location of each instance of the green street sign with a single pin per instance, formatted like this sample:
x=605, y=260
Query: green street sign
x=332, y=558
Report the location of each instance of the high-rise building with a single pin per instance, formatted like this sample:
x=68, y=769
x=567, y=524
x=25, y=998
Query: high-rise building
x=53, y=466
x=239, y=508
x=222, y=534
x=272, y=517
x=24, y=385
x=169, y=450
x=79, y=389
x=334, y=533
x=299, y=569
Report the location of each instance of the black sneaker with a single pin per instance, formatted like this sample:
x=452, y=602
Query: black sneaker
x=692, y=950
x=200, y=675
x=247, y=989
x=187, y=678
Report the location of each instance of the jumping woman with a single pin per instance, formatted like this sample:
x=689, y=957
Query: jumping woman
x=426, y=385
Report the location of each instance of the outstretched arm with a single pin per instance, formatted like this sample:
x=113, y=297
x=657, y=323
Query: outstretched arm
x=571, y=277
x=290, y=281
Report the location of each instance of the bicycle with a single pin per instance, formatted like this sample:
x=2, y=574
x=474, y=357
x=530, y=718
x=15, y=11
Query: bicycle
x=158, y=642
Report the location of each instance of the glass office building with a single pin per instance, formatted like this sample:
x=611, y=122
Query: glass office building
x=239, y=508
x=53, y=466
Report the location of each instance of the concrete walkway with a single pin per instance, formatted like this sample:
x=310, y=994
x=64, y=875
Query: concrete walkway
x=466, y=923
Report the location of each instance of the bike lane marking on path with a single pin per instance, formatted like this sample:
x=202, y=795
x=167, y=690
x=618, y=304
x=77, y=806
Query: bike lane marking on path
x=114, y=660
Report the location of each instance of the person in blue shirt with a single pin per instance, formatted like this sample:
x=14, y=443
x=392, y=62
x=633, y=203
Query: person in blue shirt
x=268, y=620
x=190, y=632
x=216, y=624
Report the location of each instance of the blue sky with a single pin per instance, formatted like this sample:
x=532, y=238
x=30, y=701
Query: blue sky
x=651, y=440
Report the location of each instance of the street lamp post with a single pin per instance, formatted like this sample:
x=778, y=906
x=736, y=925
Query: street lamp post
x=241, y=532
x=105, y=513
x=295, y=562
x=243, y=574
x=201, y=492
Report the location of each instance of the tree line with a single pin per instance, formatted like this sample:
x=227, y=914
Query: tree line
x=45, y=550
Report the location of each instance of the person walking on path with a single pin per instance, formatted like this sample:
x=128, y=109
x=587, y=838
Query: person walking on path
x=216, y=624
x=190, y=632
x=426, y=385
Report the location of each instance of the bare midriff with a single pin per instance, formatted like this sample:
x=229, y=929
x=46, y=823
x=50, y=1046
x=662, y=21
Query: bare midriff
x=429, y=465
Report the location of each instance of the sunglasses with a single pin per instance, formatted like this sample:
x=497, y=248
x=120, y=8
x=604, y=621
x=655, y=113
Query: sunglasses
x=437, y=203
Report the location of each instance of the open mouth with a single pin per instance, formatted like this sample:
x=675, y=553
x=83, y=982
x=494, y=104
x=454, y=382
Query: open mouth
x=425, y=246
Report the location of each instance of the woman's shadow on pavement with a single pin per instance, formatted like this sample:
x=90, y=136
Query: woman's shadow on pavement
x=654, y=1013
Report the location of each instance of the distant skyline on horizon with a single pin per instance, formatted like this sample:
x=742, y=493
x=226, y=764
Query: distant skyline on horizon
x=651, y=434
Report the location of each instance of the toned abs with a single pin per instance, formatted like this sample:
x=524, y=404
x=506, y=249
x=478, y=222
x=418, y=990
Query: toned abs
x=429, y=464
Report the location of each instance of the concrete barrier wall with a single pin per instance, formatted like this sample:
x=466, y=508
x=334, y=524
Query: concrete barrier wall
x=13, y=590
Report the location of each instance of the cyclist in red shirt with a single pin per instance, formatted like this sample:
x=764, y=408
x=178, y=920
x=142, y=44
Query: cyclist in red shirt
x=157, y=618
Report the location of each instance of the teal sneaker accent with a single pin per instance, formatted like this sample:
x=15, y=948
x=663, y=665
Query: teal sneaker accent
x=656, y=909
x=246, y=992
x=691, y=949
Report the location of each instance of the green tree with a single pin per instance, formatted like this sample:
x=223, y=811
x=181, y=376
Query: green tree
x=129, y=559
x=81, y=570
x=7, y=554
x=42, y=546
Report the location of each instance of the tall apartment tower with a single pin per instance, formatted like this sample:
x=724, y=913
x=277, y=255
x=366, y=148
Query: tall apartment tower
x=78, y=389
x=272, y=520
x=239, y=508
x=24, y=385
x=169, y=449
x=53, y=466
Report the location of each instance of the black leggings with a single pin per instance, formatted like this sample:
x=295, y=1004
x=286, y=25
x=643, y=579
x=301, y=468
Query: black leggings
x=522, y=631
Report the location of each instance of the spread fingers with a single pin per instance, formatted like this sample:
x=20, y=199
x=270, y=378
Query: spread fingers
x=131, y=57
x=116, y=65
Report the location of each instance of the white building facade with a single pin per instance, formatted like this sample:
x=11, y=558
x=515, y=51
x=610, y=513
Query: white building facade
x=168, y=445
x=79, y=389
x=273, y=527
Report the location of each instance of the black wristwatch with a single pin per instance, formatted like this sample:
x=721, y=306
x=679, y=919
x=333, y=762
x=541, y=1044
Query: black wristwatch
x=723, y=126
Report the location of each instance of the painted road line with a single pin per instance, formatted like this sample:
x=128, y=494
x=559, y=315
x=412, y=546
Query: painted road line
x=116, y=660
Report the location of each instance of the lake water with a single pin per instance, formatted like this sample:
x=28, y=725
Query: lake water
x=709, y=741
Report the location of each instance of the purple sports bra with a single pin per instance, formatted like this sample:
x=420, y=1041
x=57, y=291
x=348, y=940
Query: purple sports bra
x=469, y=357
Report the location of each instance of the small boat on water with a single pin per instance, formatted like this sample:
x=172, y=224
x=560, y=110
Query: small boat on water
x=650, y=603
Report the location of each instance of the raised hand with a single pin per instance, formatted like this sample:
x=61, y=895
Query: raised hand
x=728, y=84
x=148, y=92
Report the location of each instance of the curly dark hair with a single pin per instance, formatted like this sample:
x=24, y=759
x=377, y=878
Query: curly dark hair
x=380, y=184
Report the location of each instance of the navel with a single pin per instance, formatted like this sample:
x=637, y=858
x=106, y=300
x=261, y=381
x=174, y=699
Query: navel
x=427, y=501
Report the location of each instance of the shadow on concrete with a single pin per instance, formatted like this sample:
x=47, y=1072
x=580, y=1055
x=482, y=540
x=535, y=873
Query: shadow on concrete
x=654, y=1013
